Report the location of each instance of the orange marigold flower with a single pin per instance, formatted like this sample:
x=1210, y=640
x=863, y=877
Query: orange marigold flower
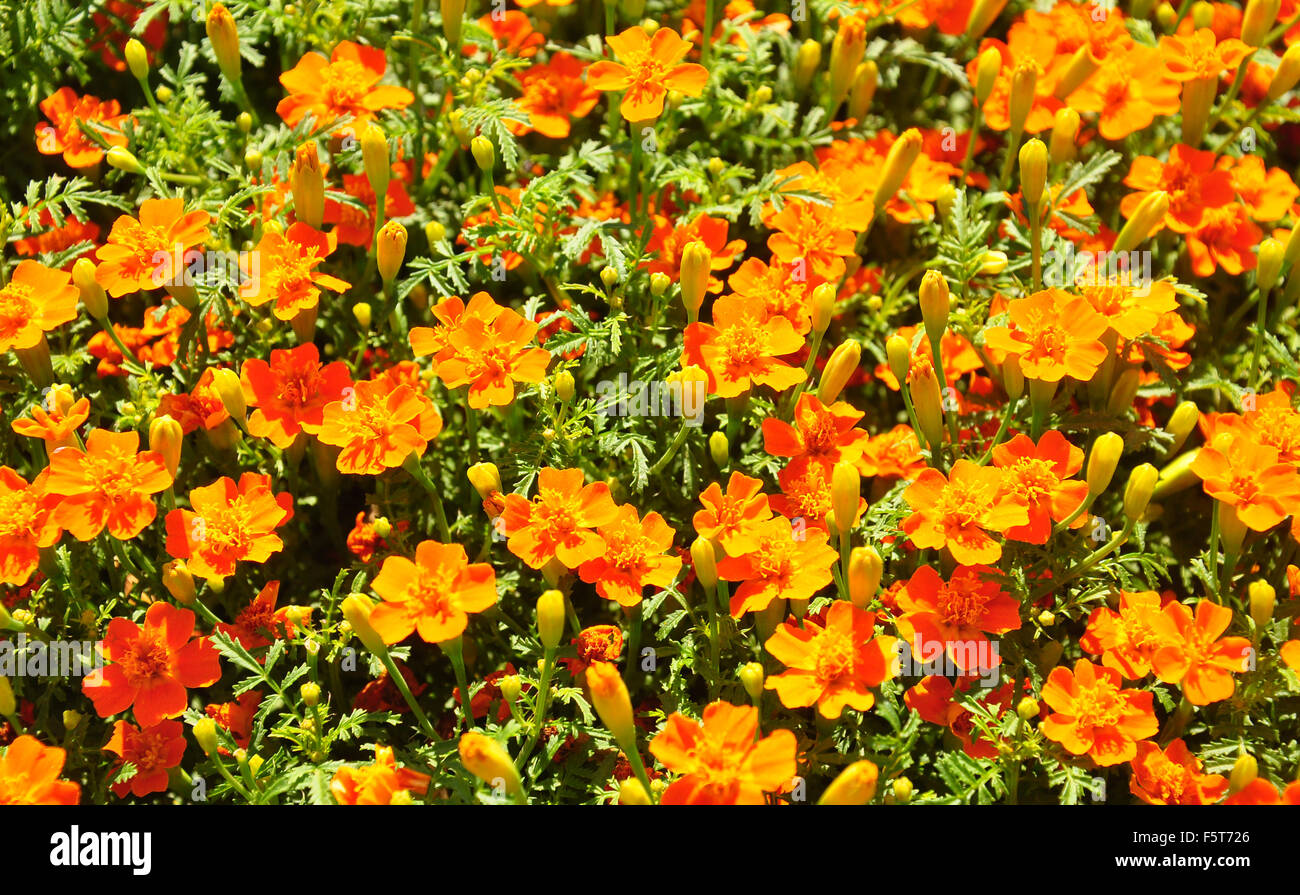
x=451, y=313
x=1195, y=656
x=1189, y=178
x=1094, y=716
x=377, y=783
x=490, y=357
x=892, y=454
x=805, y=497
x=27, y=524
x=1268, y=193
x=934, y=699
x=512, y=35
x=824, y=435
x=959, y=511
x=732, y=518
x=779, y=293
x=832, y=665
x=810, y=241
x=346, y=84
x=34, y=301
x=1126, y=640
x=558, y=522
x=1201, y=55
x=56, y=424
x=235, y=717
x=29, y=775
x=553, y=95
x=285, y=274
x=647, y=69
x=598, y=643
x=1128, y=92
x=69, y=114
x=1226, y=238
x=74, y=232
x=260, y=618
x=1173, y=777
x=107, y=485
x=634, y=557
x=741, y=349
x=952, y=618
x=1053, y=334
x=1261, y=792
x=202, y=408
x=151, y=665
x=1250, y=478
x=669, y=241
x=958, y=354
x=1129, y=309
x=378, y=424
x=228, y=523
x=432, y=595
x=146, y=253
x=721, y=759
x=780, y=567
x=289, y=395
x=152, y=751
x=1042, y=475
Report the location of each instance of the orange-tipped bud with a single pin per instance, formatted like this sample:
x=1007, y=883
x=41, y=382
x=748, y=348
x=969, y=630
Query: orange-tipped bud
x=855, y=785
x=390, y=250
x=839, y=369
x=224, y=37
x=847, y=48
x=308, y=186
x=610, y=699
x=489, y=761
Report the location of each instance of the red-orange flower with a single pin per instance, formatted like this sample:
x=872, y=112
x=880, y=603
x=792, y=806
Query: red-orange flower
x=29, y=775
x=1173, y=777
x=346, y=84
x=260, y=618
x=634, y=557
x=285, y=274
x=432, y=595
x=553, y=95
x=377, y=783
x=781, y=566
x=152, y=751
x=953, y=618
x=832, y=665
x=558, y=522
x=721, y=759
x=151, y=665
x=378, y=425
x=1189, y=178
x=107, y=486
x=959, y=511
x=290, y=393
x=824, y=435
x=1126, y=640
x=1094, y=716
x=69, y=114
x=27, y=524
x=647, y=69
x=228, y=523
x=1195, y=656
x=1041, y=474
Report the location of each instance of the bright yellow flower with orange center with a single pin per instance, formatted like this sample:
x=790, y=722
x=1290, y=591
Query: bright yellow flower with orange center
x=634, y=557
x=346, y=84
x=1173, y=777
x=1197, y=656
x=558, y=522
x=108, y=485
x=34, y=301
x=432, y=595
x=228, y=523
x=647, y=69
x=1053, y=334
x=959, y=511
x=721, y=759
x=780, y=567
x=27, y=524
x=1093, y=714
x=378, y=425
x=285, y=273
x=742, y=348
x=831, y=665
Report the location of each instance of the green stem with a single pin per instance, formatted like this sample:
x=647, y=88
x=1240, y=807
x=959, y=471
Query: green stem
x=539, y=717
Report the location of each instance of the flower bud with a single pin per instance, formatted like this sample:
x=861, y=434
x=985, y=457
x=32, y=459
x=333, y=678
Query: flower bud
x=935, y=303
x=486, y=479
x=1202, y=14
x=1120, y=400
x=308, y=185
x=1047, y=618
x=855, y=785
x=137, y=59
x=310, y=693
x=719, y=449
x=865, y=569
x=943, y=201
x=205, y=734
x=1102, y=461
x=390, y=250
x=118, y=157
x=610, y=699
x=227, y=386
x=806, y=61
x=356, y=610
x=847, y=48
x=751, y=678
x=550, y=618
x=244, y=122
x=1137, y=494
x=903, y=790
x=1024, y=83
x=178, y=580
x=484, y=152
x=489, y=761
x=763, y=95
x=71, y=719
x=93, y=297
x=510, y=685
x=374, y=158
x=846, y=491
x=704, y=561
x=1270, y=265
x=1177, y=475
x=8, y=704
x=1149, y=215
x=659, y=283
x=902, y=155
x=631, y=792
x=1065, y=134
x=224, y=37
x=1287, y=74
x=863, y=91
x=983, y=14
x=361, y=312
x=1263, y=600
x=839, y=369
x=1257, y=20
x=1027, y=708
x=1244, y=772
x=453, y=11
x=823, y=307
x=1033, y=173
x=696, y=263
x=992, y=263
x=986, y=75
x=564, y=386
x=927, y=403
x=1198, y=98
x=1181, y=423
x=899, y=354
x=1081, y=67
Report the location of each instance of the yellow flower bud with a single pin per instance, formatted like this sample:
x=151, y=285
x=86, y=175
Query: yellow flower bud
x=486, y=479
x=1176, y=476
x=137, y=59
x=8, y=705
x=903, y=790
x=1198, y=98
x=846, y=491
x=609, y=276
x=659, y=283
x=1287, y=74
x=1065, y=134
x=1120, y=400
x=310, y=693
x=1202, y=14
x=1027, y=708
x=1102, y=461
x=1270, y=264
x=902, y=155
x=610, y=699
x=123, y=160
x=899, y=355
x=1024, y=83
x=564, y=386
x=1033, y=173
x=178, y=580
x=847, y=48
x=935, y=303
x=943, y=201
x=550, y=618
x=855, y=785
x=93, y=297
x=390, y=250
x=356, y=610
x=1244, y=772
x=863, y=91
x=719, y=448
x=374, y=158
x=1263, y=600
x=823, y=307
x=806, y=61
x=1137, y=494
x=205, y=734
x=993, y=262
x=224, y=37
x=839, y=369
x=244, y=122
x=704, y=561
x=986, y=74
x=1081, y=68
x=510, y=686
x=308, y=185
x=484, y=152
x=927, y=402
x=253, y=160
x=1258, y=20
x=865, y=569
x=751, y=678
x=489, y=761
x=697, y=260
x=1047, y=618
x=362, y=313
x=982, y=15
x=1165, y=16
x=1149, y=214
x=71, y=719
x=453, y=11
x=631, y=792
x=1181, y=423
x=227, y=386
